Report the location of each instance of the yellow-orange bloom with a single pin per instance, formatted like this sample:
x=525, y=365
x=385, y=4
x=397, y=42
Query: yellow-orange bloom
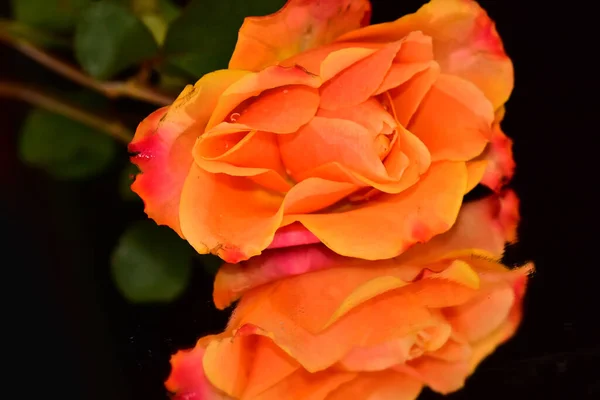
x=344, y=328
x=363, y=138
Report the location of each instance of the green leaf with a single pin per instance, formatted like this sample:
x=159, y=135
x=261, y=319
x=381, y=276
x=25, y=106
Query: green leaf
x=66, y=149
x=54, y=15
x=109, y=39
x=169, y=10
x=126, y=179
x=151, y=263
x=202, y=39
x=157, y=15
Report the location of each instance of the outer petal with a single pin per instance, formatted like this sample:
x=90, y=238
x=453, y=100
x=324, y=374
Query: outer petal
x=485, y=347
x=486, y=224
x=187, y=379
x=233, y=280
x=163, y=143
x=359, y=81
x=384, y=385
x=304, y=385
x=428, y=208
x=499, y=154
x=237, y=224
x=454, y=119
x=357, y=306
x=246, y=364
x=300, y=25
x=465, y=43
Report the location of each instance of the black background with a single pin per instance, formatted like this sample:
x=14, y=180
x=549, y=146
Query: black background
x=73, y=336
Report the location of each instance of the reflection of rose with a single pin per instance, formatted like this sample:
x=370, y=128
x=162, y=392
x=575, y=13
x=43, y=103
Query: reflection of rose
x=343, y=328
x=365, y=139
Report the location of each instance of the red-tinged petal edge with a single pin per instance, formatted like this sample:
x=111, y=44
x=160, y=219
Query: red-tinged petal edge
x=292, y=235
x=299, y=26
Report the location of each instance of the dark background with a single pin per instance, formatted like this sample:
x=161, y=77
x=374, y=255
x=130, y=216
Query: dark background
x=75, y=337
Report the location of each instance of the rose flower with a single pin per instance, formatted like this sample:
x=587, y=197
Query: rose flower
x=312, y=324
x=323, y=129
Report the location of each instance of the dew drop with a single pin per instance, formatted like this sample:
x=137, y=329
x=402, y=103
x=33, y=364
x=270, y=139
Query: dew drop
x=234, y=116
x=285, y=91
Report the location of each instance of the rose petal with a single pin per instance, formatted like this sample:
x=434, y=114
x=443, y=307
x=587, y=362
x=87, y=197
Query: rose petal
x=187, y=379
x=501, y=165
x=272, y=111
x=485, y=347
x=465, y=43
x=291, y=318
x=441, y=376
x=246, y=364
x=407, y=98
x=327, y=140
x=303, y=385
x=163, y=144
x=232, y=228
x=383, y=385
x=483, y=314
x=415, y=215
x=226, y=149
x=475, y=170
x=359, y=81
x=314, y=194
x=485, y=224
x=370, y=114
x=300, y=25
x=233, y=280
x=454, y=119
x=292, y=235
x=254, y=84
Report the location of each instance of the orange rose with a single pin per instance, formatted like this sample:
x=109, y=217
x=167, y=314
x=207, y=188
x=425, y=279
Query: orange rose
x=321, y=130
x=343, y=328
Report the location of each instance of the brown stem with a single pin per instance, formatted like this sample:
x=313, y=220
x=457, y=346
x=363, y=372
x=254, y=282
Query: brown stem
x=130, y=88
x=114, y=129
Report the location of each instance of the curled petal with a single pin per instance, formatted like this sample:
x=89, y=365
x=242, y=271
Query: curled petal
x=299, y=26
x=454, y=119
x=272, y=110
x=370, y=114
x=233, y=229
x=416, y=215
x=358, y=82
x=357, y=304
x=232, y=148
x=465, y=43
x=253, y=84
x=246, y=364
x=328, y=140
x=163, y=143
x=407, y=98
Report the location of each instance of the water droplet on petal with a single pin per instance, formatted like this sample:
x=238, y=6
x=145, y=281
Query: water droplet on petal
x=234, y=116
